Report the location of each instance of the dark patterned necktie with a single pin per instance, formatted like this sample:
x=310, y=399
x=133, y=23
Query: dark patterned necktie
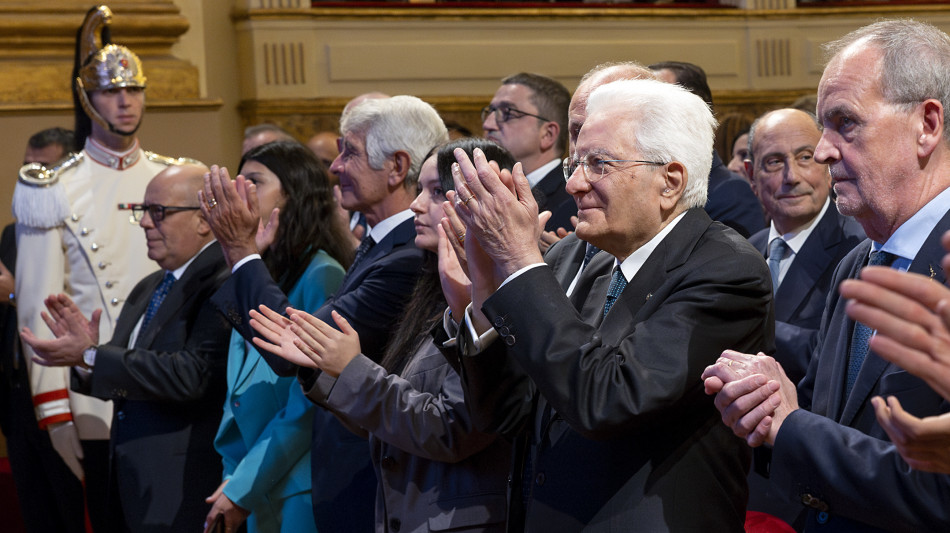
x=157, y=298
x=589, y=254
x=617, y=283
x=862, y=333
x=365, y=246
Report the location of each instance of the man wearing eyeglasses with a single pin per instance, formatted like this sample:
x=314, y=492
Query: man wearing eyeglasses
x=164, y=367
x=71, y=238
x=528, y=117
x=604, y=382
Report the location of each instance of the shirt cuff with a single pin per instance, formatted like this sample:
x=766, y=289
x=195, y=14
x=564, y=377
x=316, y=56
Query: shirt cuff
x=479, y=342
x=519, y=272
x=240, y=263
x=451, y=328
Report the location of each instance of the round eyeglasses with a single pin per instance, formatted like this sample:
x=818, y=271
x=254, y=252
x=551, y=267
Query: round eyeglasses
x=595, y=166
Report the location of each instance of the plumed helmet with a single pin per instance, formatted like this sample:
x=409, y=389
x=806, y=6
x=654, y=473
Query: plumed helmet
x=101, y=65
x=105, y=65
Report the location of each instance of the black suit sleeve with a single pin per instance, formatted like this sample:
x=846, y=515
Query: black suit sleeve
x=171, y=370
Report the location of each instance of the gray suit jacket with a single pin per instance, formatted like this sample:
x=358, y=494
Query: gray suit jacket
x=621, y=433
x=435, y=470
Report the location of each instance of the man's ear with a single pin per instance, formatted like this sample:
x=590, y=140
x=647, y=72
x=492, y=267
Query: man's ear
x=674, y=185
x=548, y=135
x=401, y=163
x=931, y=127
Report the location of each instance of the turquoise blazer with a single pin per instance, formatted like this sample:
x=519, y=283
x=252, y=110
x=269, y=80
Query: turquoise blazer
x=264, y=436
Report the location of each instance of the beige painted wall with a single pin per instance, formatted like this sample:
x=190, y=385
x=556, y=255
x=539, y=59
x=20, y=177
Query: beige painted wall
x=208, y=132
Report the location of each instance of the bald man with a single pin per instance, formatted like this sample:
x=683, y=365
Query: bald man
x=164, y=367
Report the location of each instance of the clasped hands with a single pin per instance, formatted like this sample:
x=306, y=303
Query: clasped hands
x=72, y=330
x=752, y=393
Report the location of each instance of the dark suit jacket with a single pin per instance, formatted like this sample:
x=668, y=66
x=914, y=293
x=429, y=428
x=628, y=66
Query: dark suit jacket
x=801, y=298
x=731, y=200
x=168, y=392
x=551, y=195
x=622, y=434
x=9, y=335
x=833, y=455
x=371, y=299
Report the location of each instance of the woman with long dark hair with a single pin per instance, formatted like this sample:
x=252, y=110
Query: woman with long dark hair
x=264, y=437
x=436, y=472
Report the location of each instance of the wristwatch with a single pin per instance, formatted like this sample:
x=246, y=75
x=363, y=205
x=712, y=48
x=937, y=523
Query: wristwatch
x=89, y=357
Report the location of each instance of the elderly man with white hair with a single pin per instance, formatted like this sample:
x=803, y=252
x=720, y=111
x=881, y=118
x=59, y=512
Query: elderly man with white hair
x=603, y=383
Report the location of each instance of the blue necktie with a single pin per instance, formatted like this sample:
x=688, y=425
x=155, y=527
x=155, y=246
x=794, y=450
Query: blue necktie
x=157, y=298
x=617, y=283
x=862, y=333
x=589, y=254
x=777, y=250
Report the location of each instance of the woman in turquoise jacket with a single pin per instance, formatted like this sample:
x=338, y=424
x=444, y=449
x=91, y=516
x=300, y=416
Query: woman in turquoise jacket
x=264, y=437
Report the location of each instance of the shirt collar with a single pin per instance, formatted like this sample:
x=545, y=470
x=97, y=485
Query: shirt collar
x=178, y=272
x=796, y=239
x=380, y=230
x=631, y=265
x=910, y=236
x=535, y=176
x=115, y=160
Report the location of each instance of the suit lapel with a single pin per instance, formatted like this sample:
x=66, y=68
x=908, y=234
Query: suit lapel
x=570, y=255
x=927, y=263
x=671, y=253
x=134, y=309
x=809, y=264
x=180, y=293
x=399, y=236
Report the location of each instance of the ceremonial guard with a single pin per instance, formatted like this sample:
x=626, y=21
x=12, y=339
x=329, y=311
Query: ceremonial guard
x=72, y=237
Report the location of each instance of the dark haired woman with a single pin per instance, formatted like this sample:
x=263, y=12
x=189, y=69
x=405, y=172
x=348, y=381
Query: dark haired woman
x=264, y=437
x=436, y=472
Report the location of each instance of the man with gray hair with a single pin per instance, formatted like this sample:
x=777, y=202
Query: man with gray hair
x=882, y=101
x=605, y=382
x=383, y=145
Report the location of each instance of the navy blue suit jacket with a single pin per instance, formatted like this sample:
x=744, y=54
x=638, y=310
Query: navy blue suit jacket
x=731, y=200
x=833, y=455
x=551, y=195
x=371, y=298
x=168, y=390
x=801, y=298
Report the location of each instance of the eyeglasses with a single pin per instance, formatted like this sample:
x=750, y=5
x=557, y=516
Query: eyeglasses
x=596, y=167
x=156, y=211
x=506, y=113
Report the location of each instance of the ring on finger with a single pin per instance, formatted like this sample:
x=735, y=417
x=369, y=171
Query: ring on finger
x=212, y=203
x=461, y=236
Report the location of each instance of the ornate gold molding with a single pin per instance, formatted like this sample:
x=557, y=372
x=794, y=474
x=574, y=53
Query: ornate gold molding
x=37, y=43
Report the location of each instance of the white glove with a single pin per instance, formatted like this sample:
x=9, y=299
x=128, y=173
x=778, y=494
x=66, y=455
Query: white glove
x=65, y=439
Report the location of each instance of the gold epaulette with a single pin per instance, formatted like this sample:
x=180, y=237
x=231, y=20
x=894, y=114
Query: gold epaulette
x=37, y=175
x=169, y=161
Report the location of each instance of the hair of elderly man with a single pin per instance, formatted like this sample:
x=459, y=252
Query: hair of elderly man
x=915, y=65
x=669, y=124
x=551, y=98
x=627, y=70
x=755, y=123
x=392, y=124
